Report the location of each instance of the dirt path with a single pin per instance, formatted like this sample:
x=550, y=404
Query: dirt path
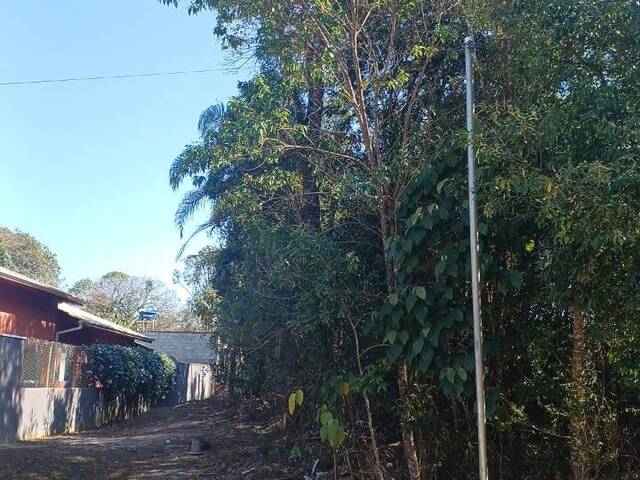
x=153, y=446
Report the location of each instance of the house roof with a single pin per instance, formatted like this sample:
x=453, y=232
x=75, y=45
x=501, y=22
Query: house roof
x=94, y=321
x=18, y=279
x=70, y=305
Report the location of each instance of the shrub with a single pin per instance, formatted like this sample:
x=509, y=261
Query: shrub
x=131, y=372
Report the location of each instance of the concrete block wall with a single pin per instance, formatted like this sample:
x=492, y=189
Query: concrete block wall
x=28, y=413
x=185, y=347
x=10, y=383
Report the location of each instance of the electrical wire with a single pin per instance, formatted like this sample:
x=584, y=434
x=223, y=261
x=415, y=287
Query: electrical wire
x=109, y=77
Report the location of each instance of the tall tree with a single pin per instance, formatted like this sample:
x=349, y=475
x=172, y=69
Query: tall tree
x=21, y=252
x=118, y=297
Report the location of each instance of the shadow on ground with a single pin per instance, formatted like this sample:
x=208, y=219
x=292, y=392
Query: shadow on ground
x=153, y=445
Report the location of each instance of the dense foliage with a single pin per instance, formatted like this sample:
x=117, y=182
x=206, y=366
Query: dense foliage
x=22, y=253
x=336, y=183
x=133, y=374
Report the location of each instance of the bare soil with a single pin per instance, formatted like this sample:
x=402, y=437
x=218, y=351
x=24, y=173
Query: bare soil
x=156, y=446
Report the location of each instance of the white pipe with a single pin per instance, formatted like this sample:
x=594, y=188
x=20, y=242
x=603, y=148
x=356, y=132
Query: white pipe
x=469, y=46
x=69, y=330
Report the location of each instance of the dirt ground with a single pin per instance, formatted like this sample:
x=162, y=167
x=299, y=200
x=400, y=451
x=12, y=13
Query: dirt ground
x=155, y=445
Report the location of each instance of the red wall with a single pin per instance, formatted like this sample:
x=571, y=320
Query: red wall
x=89, y=335
x=30, y=313
x=27, y=313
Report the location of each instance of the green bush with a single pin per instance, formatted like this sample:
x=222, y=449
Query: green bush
x=131, y=372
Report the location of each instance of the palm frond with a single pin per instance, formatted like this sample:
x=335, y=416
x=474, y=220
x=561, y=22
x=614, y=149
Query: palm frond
x=190, y=204
x=199, y=229
x=193, y=160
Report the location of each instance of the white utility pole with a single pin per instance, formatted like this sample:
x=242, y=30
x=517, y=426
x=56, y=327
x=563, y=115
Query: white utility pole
x=469, y=47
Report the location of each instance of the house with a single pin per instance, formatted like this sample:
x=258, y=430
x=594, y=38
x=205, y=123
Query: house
x=29, y=308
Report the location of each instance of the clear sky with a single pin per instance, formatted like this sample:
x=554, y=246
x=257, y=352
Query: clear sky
x=84, y=165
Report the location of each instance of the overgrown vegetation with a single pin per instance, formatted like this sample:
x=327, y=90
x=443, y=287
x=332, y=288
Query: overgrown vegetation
x=133, y=374
x=336, y=181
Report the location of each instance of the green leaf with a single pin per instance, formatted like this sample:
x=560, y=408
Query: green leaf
x=393, y=298
x=425, y=359
x=440, y=267
x=418, y=343
x=396, y=316
x=421, y=312
x=420, y=293
x=326, y=418
x=332, y=434
x=448, y=373
x=403, y=335
x=292, y=403
x=529, y=246
x=458, y=387
x=468, y=362
x=390, y=337
x=394, y=352
x=415, y=216
x=410, y=302
x=299, y=397
x=434, y=337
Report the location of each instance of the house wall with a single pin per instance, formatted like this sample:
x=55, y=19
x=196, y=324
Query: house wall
x=88, y=336
x=27, y=313
x=28, y=413
x=30, y=313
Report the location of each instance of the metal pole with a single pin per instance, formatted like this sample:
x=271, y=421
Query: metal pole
x=469, y=47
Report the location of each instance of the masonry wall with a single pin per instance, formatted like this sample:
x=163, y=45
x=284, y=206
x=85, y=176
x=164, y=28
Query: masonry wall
x=10, y=392
x=28, y=413
x=185, y=347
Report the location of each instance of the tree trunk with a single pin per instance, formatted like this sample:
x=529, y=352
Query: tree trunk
x=408, y=439
x=313, y=121
x=404, y=387
x=578, y=419
x=372, y=433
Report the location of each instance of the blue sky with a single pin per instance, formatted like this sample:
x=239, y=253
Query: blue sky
x=84, y=165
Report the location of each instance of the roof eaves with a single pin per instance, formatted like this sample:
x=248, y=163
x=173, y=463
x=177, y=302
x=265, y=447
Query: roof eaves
x=93, y=321
x=22, y=280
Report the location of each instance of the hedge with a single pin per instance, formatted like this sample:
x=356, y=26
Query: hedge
x=131, y=372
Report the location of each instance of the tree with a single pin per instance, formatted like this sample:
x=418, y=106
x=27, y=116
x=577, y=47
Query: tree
x=386, y=259
x=575, y=186
x=118, y=297
x=22, y=253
